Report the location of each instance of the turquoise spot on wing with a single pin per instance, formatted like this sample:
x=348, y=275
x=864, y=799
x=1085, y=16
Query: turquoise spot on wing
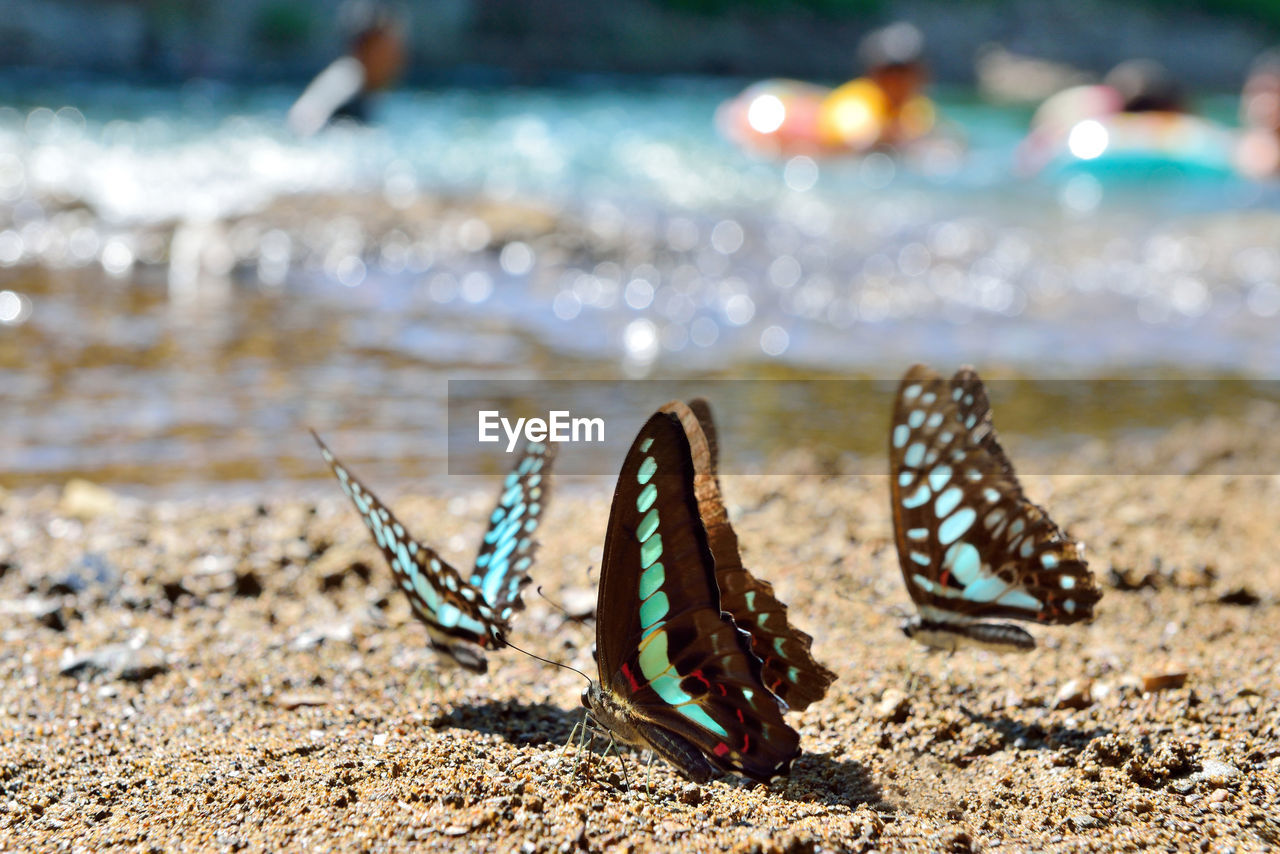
x=493, y=581
x=916, y=418
x=647, y=496
x=922, y=559
x=449, y=616
x=651, y=579
x=699, y=716
x=425, y=590
x=650, y=551
x=653, y=609
x=905, y=478
x=793, y=674
x=647, y=525
x=917, y=533
x=511, y=479
x=667, y=686
x=1049, y=560
x=954, y=526
x=939, y=476
x=483, y=560
x=653, y=654
x=965, y=564
x=646, y=444
x=900, y=435
x=647, y=468
x=751, y=600
x=496, y=516
x=987, y=589
x=925, y=584
x=948, y=501
x=915, y=499
x=910, y=392
x=914, y=455
x=1019, y=598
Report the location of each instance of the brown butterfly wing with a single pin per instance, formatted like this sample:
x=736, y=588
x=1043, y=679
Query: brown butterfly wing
x=789, y=668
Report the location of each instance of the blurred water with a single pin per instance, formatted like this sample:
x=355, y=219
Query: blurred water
x=183, y=284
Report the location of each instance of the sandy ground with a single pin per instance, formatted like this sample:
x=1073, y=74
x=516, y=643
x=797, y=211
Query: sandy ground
x=229, y=676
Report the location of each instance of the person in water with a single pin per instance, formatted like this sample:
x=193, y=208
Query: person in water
x=1134, y=87
x=1145, y=86
x=374, y=59
x=886, y=107
x=1259, y=151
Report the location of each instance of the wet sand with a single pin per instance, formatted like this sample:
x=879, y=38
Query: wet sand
x=228, y=675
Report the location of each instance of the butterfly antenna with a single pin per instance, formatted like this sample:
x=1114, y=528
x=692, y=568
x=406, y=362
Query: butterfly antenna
x=547, y=660
x=562, y=609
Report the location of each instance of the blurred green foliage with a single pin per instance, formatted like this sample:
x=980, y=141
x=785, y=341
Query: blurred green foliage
x=1263, y=12
x=283, y=24
x=831, y=8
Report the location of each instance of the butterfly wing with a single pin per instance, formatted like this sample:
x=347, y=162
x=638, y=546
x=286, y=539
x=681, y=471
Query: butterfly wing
x=666, y=652
x=457, y=619
x=970, y=544
x=508, y=547
x=788, y=667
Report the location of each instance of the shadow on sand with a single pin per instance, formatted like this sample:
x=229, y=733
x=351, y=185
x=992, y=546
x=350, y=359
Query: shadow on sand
x=814, y=776
x=1032, y=735
x=821, y=777
x=516, y=722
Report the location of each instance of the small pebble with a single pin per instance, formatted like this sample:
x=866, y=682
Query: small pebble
x=894, y=706
x=1163, y=681
x=1075, y=694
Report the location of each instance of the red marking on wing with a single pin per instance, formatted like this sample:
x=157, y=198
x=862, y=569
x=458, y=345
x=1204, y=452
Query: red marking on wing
x=741, y=719
x=720, y=749
x=626, y=671
x=746, y=742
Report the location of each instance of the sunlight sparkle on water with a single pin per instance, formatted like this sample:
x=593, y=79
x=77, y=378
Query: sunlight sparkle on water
x=766, y=113
x=774, y=341
x=1088, y=139
x=800, y=173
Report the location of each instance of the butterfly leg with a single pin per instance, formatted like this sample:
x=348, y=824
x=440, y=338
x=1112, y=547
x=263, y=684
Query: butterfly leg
x=579, y=731
x=613, y=746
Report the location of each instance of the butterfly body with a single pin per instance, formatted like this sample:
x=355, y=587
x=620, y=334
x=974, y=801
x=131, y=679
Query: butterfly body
x=624, y=723
x=463, y=615
x=677, y=671
x=971, y=546
x=951, y=636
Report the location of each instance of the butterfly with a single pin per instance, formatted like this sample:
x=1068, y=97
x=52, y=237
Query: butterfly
x=463, y=616
x=679, y=619
x=971, y=546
